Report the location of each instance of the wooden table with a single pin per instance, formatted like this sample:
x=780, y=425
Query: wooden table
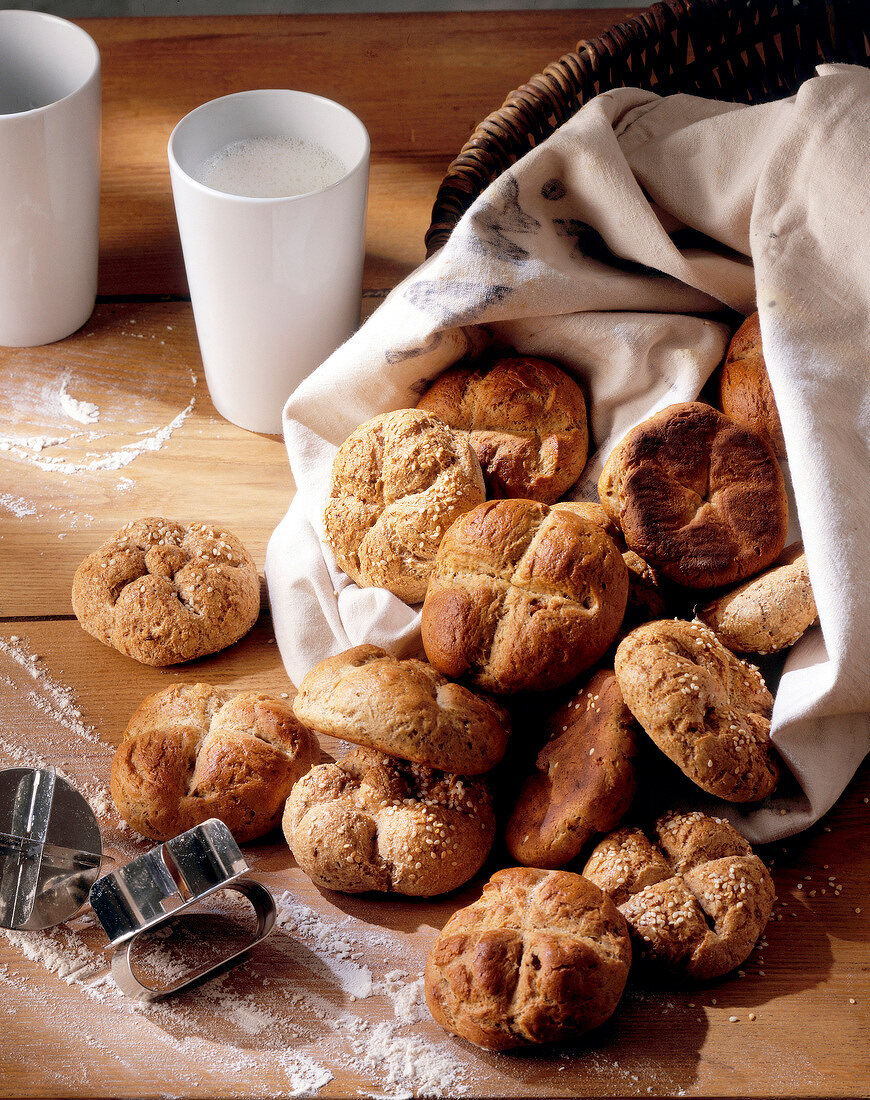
x=115, y=423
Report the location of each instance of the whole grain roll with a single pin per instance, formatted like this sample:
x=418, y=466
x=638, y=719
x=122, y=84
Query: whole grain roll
x=164, y=592
x=371, y=822
x=523, y=597
x=695, y=896
x=541, y=957
x=192, y=752
x=404, y=708
x=698, y=497
x=525, y=418
x=397, y=484
x=745, y=393
x=707, y=710
x=583, y=780
x=768, y=613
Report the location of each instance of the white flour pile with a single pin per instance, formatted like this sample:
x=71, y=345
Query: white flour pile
x=83, y=411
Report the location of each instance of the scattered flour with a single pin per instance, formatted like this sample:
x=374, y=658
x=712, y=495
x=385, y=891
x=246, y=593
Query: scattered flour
x=35, y=443
x=52, y=726
x=410, y=1060
x=18, y=506
x=54, y=699
x=151, y=440
x=85, y=412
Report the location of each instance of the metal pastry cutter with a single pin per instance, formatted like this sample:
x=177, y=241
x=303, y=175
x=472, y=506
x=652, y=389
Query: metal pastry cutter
x=156, y=888
x=50, y=849
x=50, y=857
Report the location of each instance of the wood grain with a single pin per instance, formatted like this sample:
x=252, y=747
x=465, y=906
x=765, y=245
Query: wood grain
x=420, y=83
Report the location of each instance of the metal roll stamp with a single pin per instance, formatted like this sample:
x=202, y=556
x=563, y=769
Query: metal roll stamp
x=50, y=859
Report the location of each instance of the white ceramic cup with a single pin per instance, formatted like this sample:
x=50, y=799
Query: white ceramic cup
x=49, y=177
x=275, y=283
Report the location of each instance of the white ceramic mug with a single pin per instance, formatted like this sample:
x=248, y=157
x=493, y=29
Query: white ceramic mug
x=49, y=177
x=275, y=283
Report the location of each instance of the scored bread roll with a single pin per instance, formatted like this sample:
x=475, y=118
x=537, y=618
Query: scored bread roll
x=525, y=418
x=708, y=711
x=698, y=497
x=164, y=592
x=371, y=822
x=523, y=597
x=404, y=708
x=192, y=752
x=397, y=484
x=541, y=957
x=695, y=896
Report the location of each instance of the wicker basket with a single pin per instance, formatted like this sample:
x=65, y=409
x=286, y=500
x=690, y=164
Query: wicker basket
x=744, y=51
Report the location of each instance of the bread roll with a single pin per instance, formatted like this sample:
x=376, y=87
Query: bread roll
x=525, y=418
x=398, y=482
x=698, y=497
x=523, y=597
x=541, y=957
x=745, y=393
x=695, y=896
x=192, y=752
x=370, y=822
x=768, y=613
x=404, y=708
x=707, y=710
x=165, y=592
x=583, y=780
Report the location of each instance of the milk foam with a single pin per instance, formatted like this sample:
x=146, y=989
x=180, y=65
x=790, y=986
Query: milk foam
x=270, y=167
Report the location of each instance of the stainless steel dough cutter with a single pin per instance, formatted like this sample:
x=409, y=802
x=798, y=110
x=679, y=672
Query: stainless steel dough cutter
x=50, y=860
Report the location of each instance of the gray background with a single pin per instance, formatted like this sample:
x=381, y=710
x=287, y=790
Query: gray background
x=82, y=9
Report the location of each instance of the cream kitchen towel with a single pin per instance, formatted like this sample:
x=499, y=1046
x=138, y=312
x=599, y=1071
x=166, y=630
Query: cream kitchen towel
x=607, y=248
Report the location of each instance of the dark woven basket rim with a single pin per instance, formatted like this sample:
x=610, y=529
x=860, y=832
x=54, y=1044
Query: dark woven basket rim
x=745, y=51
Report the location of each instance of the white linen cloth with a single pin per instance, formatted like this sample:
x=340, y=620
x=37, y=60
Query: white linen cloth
x=604, y=247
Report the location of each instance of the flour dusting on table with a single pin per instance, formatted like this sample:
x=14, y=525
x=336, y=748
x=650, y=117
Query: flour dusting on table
x=324, y=990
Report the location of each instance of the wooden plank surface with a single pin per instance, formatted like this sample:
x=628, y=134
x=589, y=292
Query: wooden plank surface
x=331, y=1004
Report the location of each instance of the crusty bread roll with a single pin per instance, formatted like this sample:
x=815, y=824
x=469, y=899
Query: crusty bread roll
x=523, y=597
x=583, y=779
x=371, y=822
x=526, y=419
x=192, y=752
x=398, y=482
x=745, y=393
x=698, y=497
x=707, y=710
x=769, y=612
x=404, y=708
x=650, y=594
x=165, y=592
x=694, y=894
x=541, y=957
